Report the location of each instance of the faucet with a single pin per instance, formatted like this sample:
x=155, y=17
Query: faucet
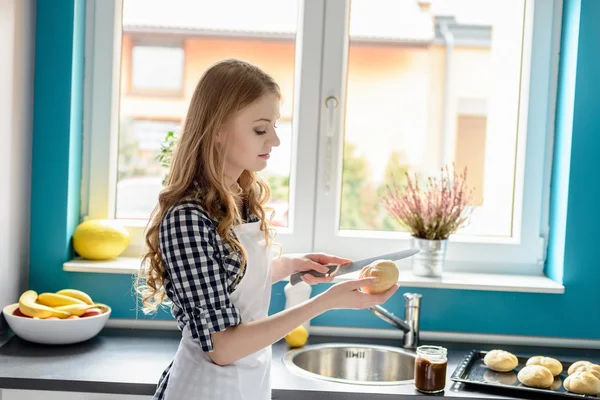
x=410, y=326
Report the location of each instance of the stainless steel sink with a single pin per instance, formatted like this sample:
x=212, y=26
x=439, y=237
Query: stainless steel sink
x=351, y=363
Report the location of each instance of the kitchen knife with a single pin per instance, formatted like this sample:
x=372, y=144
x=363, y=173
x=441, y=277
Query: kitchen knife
x=337, y=269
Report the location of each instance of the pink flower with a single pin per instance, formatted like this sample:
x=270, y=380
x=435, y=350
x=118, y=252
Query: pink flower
x=435, y=212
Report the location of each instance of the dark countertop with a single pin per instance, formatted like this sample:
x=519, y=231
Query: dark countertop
x=127, y=361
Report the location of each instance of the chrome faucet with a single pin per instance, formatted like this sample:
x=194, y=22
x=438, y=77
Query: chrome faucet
x=410, y=326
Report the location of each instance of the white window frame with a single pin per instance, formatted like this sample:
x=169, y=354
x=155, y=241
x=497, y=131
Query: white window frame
x=525, y=251
x=101, y=115
x=314, y=199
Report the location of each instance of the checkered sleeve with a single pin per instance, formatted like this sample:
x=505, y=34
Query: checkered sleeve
x=196, y=277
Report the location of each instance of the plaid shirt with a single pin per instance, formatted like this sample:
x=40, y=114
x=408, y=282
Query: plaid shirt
x=201, y=269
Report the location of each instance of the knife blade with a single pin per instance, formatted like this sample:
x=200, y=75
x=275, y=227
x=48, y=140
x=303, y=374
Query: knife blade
x=338, y=269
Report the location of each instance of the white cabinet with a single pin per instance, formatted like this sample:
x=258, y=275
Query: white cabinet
x=11, y=394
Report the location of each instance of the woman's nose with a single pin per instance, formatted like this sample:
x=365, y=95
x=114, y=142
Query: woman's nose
x=275, y=139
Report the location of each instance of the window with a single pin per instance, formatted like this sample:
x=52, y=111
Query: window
x=140, y=175
x=471, y=126
x=370, y=88
x=158, y=49
x=278, y=174
x=154, y=68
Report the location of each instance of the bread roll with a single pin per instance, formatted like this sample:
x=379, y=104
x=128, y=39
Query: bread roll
x=582, y=382
x=385, y=270
x=536, y=376
x=592, y=369
x=585, y=366
x=576, y=365
x=551, y=363
x=500, y=361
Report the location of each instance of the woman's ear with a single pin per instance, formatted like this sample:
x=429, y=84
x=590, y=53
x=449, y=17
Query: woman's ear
x=221, y=135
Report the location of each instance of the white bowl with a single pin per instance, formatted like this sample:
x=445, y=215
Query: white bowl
x=54, y=331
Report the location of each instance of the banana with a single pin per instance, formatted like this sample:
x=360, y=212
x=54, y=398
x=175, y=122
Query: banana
x=76, y=309
x=77, y=294
x=29, y=307
x=103, y=307
x=56, y=300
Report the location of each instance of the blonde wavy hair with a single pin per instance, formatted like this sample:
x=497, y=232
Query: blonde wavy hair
x=224, y=89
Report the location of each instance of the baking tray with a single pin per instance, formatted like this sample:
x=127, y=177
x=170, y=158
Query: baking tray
x=473, y=371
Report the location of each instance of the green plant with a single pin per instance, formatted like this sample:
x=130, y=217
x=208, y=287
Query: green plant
x=165, y=155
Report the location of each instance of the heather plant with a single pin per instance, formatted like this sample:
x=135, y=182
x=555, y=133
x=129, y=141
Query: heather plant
x=434, y=212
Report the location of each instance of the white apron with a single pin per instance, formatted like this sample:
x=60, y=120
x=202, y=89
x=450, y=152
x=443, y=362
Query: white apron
x=193, y=375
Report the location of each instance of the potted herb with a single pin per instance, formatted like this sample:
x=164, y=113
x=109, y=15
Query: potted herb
x=431, y=214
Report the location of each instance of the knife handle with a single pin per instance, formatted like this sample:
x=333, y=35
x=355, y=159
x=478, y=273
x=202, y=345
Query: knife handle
x=297, y=277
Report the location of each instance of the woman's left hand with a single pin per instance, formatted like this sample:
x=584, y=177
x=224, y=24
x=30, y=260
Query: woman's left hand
x=316, y=262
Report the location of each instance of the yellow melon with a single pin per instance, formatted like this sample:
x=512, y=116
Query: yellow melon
x=100, y=239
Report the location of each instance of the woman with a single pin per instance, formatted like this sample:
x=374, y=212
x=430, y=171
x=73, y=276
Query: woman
x=210, y=251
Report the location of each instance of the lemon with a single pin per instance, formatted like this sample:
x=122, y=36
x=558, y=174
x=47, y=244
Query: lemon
x=100, y=239
x=297, y=337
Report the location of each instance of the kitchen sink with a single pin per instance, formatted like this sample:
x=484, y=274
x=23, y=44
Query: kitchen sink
x=352, y=363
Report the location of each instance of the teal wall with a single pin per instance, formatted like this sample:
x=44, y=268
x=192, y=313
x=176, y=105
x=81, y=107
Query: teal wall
x=57, y=164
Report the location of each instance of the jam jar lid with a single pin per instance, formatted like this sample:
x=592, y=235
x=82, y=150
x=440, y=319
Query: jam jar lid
x=432, y=352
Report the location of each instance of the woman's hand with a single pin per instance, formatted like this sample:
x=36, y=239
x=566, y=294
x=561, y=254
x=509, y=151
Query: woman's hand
x=347, y=295
x=293, y=263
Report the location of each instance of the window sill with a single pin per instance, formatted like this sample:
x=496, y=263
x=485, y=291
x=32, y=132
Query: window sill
x=451, y=280
x=491, y=282
x=120, y=265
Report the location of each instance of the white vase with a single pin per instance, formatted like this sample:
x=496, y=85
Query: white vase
x=429, y=261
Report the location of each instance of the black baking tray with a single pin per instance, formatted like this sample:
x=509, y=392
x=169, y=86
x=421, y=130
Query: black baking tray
x=473, y=371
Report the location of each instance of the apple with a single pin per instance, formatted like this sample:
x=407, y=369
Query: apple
x=72, y=317
x=90, y=312
x=18, y=313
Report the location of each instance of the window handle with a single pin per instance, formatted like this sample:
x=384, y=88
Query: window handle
x=331, y=103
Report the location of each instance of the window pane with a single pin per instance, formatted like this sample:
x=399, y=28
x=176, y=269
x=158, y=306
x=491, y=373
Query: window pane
x=430, y=83
x=277, y=174
x=150, y=62
x=208, y=32
x=140, y=174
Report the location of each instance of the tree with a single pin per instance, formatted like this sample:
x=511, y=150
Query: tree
x=128, y=151
x=358, y=203
x=369, y=207
x=395, y=170
x=280, y=187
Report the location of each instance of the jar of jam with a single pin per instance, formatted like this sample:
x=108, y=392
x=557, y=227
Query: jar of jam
x=430, y=369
